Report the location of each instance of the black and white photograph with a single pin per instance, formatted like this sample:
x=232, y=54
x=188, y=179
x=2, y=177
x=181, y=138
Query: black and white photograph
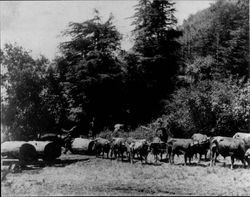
x=125, y=98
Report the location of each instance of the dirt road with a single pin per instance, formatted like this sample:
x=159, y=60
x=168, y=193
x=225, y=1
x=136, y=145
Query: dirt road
x=87, y=175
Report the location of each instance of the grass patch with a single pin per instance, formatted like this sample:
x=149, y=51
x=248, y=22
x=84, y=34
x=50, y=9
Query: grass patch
x=110, y=177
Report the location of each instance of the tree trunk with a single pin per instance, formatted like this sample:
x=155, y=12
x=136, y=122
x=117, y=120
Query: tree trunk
x=21, y=150
x=82, y=145
x=47, y=150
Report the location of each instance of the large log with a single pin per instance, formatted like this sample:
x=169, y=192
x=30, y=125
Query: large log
x=52, y=137
x=82, y=146
x=21, y=150
x=47, y=150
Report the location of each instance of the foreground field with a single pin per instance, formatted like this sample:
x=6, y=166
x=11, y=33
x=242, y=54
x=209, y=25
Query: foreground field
x=87, y=175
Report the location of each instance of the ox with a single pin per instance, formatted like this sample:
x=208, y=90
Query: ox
x=139, y=147
x=227, y=146
x=118, y=147
x=101, y=146
x=178, y=146
x=203, y=144
x=245, y=137
x=157, y=146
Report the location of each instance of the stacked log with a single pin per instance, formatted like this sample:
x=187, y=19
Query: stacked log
x=82, y=146
x=52, y=137
x=21, y=150
x=47, y=150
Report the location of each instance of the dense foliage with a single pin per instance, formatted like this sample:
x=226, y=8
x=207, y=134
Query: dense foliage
x=209, y=107
x=25, y=111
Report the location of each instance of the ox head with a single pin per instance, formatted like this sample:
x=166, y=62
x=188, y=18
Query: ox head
x=146, y=145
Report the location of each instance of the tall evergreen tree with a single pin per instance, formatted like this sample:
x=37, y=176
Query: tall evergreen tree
x=92, y=73
x=157, y=50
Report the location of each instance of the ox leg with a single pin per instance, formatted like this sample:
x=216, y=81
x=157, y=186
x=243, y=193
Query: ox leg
x=102, y=152
x=172, y=158
x=185, y=159
x=115, y=154
x=121, y=156
x=243, y=162
x=212, y=158
x=111, y=153
x=232, y=162
x=107, y=154
x=131, y=157
x=118, y=155
x=146, y=158
x=199, y=159
x=224, y=163
x=156, y=158
x=166, y=156
x=141, y=158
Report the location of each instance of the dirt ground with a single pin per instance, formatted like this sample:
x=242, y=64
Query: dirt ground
x=86, y=175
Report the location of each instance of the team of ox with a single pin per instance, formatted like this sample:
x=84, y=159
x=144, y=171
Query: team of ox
x=237, y=147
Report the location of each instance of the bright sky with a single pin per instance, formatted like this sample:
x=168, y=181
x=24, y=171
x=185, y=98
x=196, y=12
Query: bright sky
x=36, y=25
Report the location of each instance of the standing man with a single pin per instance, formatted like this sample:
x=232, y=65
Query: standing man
x=161, y=131
x=117, y=128
x=68, y=142
x=69, y=138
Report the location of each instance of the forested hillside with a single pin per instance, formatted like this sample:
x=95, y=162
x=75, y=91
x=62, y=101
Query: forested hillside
x=212, y=95
x=194, y=77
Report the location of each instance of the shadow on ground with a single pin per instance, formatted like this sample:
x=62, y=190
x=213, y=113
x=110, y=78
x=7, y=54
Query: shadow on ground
x=16, y=168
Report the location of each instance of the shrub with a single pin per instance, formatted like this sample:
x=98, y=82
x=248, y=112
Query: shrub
x=140, y=133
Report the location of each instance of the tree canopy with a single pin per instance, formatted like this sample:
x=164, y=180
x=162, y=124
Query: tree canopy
x=92, y=73
x=155, y=57
x=24, y=81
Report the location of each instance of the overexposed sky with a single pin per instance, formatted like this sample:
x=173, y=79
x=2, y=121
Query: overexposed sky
x=36, y=25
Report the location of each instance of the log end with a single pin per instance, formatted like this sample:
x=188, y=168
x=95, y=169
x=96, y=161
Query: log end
x=52, y=151
x=27, y=153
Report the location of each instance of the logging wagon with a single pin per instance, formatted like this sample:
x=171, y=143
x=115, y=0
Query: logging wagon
x=21, y=150
x=18, y=154
x=47, y=150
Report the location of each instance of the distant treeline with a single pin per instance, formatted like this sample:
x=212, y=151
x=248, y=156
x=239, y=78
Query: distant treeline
x=194, y=77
